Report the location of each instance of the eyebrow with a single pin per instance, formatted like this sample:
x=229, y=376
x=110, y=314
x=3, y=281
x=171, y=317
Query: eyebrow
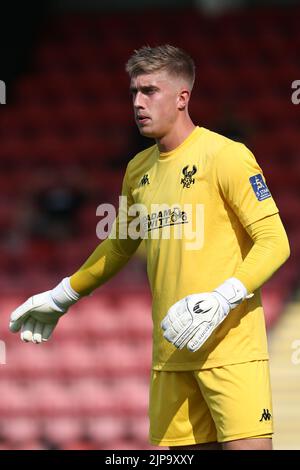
x=143, y=89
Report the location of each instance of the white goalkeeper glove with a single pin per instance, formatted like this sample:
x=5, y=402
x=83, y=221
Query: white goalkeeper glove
x=191, y=320
x=38, y=316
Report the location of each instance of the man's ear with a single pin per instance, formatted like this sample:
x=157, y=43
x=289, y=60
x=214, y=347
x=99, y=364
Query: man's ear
x=183, y=99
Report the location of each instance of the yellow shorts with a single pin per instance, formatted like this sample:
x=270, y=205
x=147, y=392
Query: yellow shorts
x=219, y=404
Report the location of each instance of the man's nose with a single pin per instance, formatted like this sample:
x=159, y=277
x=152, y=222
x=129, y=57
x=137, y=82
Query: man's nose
x=138, y=101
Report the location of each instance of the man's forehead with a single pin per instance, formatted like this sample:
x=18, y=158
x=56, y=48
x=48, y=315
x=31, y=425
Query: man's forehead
x=149, y=79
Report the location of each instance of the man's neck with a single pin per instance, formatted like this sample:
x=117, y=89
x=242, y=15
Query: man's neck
x=175, y=138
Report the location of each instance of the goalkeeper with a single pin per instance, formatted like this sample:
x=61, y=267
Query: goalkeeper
x=210, y=384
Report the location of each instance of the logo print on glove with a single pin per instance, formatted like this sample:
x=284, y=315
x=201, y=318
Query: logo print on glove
x=197, y=308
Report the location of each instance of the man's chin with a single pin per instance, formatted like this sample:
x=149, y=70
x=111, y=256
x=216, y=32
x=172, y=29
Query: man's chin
x=147, y=132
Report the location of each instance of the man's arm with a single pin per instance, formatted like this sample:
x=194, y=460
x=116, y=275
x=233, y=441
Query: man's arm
x=106, y=261
x=38, y=316
x=270, y=250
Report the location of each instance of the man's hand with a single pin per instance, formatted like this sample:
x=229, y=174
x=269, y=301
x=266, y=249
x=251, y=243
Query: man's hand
x=192, y=319
x=38, y=316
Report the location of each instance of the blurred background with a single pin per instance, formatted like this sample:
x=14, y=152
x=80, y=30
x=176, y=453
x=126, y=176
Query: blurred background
x=67, y=133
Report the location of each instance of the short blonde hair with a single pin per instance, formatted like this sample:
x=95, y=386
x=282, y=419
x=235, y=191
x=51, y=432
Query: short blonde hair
x=175, y=61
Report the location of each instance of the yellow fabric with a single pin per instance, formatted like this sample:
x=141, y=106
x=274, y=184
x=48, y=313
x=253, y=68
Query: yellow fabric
x=269, y=237
x=110, y=256
x=211, y=174
x=220, y=404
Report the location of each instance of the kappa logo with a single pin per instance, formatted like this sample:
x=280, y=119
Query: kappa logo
x=144, y=180
x=266, y=415
x=188, y=179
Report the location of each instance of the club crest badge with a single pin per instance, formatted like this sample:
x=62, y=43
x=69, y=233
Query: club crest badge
x=188, y=179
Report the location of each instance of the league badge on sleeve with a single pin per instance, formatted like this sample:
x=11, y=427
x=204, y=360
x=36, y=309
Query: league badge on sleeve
x=260, y=188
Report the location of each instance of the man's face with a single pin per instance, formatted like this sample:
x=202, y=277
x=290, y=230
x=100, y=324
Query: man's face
x=155, y=103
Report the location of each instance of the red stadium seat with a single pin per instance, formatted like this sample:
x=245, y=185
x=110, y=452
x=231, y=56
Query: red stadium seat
x=15, y=400
x=52, y=398
x=94, y=397
x=20, y=429
x=105, y=429
x=133, y=396
x=139, y=428
x=25, y=362
x=62, y=430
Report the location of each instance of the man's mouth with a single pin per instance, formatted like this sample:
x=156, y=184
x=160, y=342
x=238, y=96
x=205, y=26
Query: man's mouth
x=142, y=119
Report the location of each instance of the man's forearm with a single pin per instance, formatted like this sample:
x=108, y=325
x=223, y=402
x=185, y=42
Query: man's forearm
x=103, y=264
x=270, y=250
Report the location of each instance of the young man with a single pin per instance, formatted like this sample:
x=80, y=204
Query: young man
x=210, y=378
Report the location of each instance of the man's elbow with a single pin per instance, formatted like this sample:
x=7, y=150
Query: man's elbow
x=287, y=250
x=283, y=250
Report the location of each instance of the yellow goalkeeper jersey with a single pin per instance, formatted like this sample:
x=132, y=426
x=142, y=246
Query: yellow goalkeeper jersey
x=199, y=199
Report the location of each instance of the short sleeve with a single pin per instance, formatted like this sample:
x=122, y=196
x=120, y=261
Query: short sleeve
x=242, y=184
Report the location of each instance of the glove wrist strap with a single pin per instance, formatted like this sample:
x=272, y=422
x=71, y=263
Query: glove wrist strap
x=233, y=292
x=63, y=295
